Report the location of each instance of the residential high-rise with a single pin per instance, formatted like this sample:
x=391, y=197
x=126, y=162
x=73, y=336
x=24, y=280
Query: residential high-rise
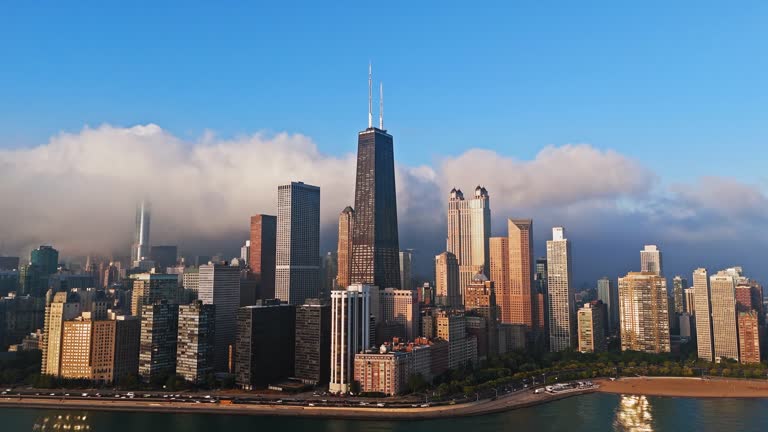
x=148, y=288
x=220, y=286
x=679, y=285
x=406, y=269
x=350, y=333
x=195, y=342
x=542, y=293
x=644, y=312
x=383, y=371
x=159, y=335
x=469, y=231
x=722, y=291
x=245, y=252
x=164, y=256
x=265, y=344
x=88, y=349
x=690, y=301
x=703, y=315
x=46, y=258
x=749, y=337
x=521, y=300
x=64, y=307
x=375, y=242
x=608, y=293
x=591, y=328
x=462, y=350
x=562, y=312
x=127, y=339
x=447, y=280
x=262, y=253
x=140, y=248
x=401, y=307
x=650, y=260
x=297, y=274
x=313, y=342
x=346, y=229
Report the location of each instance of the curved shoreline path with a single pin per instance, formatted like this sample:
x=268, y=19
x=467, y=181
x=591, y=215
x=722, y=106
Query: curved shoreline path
x=503, y=403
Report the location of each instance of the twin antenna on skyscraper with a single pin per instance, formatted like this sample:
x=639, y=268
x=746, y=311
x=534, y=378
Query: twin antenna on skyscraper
x=370, y=100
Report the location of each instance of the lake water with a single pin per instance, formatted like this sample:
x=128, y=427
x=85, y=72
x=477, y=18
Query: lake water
x=592, y=412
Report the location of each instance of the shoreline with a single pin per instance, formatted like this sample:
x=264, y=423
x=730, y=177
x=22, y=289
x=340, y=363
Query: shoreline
x=687, y=387
x=641, y=386
x=470, y=409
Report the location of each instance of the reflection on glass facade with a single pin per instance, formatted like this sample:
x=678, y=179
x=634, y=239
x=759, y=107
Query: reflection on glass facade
x=375, y=244
x=633, y=414
x=62, y=422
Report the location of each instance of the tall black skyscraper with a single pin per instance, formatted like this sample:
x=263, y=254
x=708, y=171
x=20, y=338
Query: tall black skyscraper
x=375, y=244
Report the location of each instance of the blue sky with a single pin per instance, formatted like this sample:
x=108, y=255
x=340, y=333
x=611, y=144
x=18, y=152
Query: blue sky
x=678, y=85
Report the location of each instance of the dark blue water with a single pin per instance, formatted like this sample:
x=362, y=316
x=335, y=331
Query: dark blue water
x=593, y=412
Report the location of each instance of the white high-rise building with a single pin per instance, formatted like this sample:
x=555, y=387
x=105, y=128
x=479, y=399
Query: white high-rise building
x=219, y=285
x=350, y=333
x=297, y=273
x=725, y=333
x=562, y=310
x=245, y=252
x=650, y=260
x=469, y=231
x=140, y=247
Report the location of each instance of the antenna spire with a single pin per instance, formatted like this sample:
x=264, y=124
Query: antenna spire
x=370, y=97
x=381, y=105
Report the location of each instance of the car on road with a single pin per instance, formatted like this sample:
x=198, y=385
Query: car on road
x=380, y=405
x=426, y=405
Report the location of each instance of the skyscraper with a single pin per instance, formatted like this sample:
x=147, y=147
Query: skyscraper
x=562, y=319
x=375, y=242
x=297, y=274
x=749, y=337
x=406, y=269
x=195, y=342
x=679, y=285
x=499, y=273
x=346, y=229
x=520, y=274
x=148, y=288
x=690, y=301
x=262, y=253
x=644, y=312
x=447, y=280
x=46, y=258
x=140, y=248
x=703, y=314
x=542, y=305
x=157, y=352
x=64, y=307
x=265, y=344
x=480, y=300
x=650, y=260
x=469, y=231
x=350, y=333
x=219, y=285
x=164, y=256
x=401, y=307
x=722, y=291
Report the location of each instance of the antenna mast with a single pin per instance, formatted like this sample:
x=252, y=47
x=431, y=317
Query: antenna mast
x=381, y=106
x=370, y=97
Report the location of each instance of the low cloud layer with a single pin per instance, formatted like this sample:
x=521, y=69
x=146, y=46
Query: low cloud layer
x=79, y=191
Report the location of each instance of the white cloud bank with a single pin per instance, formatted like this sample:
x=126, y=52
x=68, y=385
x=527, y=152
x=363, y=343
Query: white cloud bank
x=79, y=191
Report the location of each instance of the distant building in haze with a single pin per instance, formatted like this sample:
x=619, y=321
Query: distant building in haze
x=46, y=258
x=297, y=275
x=140, y=248
x=165, y=256
x=406, y=269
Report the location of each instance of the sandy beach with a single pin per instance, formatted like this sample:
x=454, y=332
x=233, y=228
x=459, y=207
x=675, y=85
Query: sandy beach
x=687, y=387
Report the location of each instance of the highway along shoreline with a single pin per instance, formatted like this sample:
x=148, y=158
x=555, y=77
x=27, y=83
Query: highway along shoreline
x=522, y=399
